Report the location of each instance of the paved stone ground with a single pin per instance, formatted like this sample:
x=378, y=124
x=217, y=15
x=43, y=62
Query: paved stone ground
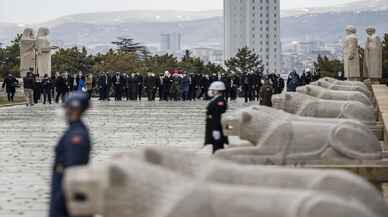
x=28, y=136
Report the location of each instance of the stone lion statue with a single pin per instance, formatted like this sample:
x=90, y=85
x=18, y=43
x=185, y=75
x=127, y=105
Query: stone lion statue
x=331, y=86
x=135, y=188
x=345, y=83
x=339, y=183
x=280, y=137
x=324, y=93
x=309, y=106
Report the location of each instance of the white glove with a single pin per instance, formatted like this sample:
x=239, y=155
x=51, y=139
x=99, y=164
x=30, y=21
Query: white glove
x=216, y=135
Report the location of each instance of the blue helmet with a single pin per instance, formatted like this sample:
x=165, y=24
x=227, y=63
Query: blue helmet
x=77, y=100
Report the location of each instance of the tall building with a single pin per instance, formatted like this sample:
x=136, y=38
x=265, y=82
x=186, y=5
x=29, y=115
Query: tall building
x=255, y=24
x=170, y=42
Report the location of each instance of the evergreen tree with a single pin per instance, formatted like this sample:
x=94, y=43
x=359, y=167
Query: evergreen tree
x=10, y=58
x=329, y=68
x=245, y=61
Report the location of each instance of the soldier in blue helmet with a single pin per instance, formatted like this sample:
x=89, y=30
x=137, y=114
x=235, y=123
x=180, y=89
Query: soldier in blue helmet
x=73, y=149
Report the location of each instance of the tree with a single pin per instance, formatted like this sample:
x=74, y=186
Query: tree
x=128, y=45
x=245, y=61
x=329, y=68
x=72, y=60
x=10, y=57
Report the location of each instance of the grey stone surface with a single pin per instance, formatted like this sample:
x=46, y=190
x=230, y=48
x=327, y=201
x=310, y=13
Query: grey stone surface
x=328, y=94
x=28, y=136
x=309, y=106
x=281, y=137
x=156, y=191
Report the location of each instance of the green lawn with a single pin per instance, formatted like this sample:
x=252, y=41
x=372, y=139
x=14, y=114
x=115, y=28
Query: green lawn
x=4, y=101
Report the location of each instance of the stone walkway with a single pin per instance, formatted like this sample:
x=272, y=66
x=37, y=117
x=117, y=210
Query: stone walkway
x=28, y=136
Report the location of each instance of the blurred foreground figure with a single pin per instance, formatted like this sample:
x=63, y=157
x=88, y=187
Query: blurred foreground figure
x=216, y=107
x=73, y=149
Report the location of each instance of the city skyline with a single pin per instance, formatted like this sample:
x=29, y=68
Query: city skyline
x=44, y=10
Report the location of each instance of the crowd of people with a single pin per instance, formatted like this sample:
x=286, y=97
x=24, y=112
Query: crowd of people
x=177, y=86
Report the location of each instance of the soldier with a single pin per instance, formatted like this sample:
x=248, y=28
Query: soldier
x=10, y=84
x=216, y=107
x=266, y=92
x=73, y=149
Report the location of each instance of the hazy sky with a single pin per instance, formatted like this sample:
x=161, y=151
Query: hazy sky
x=33, y=11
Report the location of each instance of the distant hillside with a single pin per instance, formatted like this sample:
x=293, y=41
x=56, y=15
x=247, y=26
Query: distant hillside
x=330, y=26
x=98, y=30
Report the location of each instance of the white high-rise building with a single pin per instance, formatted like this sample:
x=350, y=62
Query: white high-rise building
x=255, y=24
x=170, y=42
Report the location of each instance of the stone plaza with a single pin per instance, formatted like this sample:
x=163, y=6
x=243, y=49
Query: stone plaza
x=28, y=136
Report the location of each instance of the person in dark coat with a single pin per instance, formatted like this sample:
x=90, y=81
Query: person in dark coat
x=217, y=106
x=266, y=94
x=258, y=84
x=167, y=83
x=185, y=87
x=140, y=86
x=28, y=85
x=10, y=83
x=61, y=87
x=132, y=87
x=73, y=149
x=292, y=82
x=103, y=82
x=46, y=89
x=160, y=87
x=205, y=83
x=246, y=87
x=118, y=83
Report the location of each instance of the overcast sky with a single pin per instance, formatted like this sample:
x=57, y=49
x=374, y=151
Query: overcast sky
x=33, y=11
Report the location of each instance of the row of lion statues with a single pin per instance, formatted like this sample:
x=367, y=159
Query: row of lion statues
x=327, y=121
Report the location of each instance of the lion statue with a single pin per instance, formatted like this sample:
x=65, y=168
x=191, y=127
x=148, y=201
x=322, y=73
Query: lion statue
x=309, y=106
x=280, y=137
x=331, y=86
x=324, y=93
x=135, y=188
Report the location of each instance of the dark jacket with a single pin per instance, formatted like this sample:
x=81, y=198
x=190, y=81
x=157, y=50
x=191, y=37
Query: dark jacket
x=266, y=92
x=28, y=82
x=60, y=84
x=10, y=83
x=215, y=109
x=73, y=149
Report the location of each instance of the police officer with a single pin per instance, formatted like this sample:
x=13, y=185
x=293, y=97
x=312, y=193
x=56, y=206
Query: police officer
x=73, y=149
x=216, y=107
